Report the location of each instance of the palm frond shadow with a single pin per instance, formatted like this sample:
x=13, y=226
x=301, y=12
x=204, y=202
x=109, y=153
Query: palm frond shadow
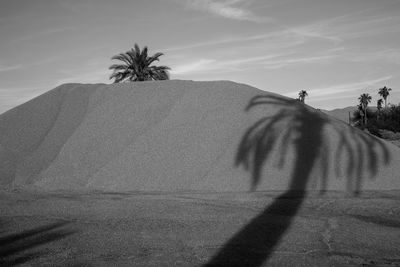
x=304, y=131
x=21, y=247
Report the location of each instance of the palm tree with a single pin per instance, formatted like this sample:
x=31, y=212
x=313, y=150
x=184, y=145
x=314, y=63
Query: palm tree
x=364, y=100
x=384, y=92
x=136, y=66
x=379, y=107
x=302, y=95
x=379, y=104
x=360, y=112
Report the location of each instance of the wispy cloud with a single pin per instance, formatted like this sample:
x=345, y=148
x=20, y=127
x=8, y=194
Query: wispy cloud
x=276, y=64
x=211, y=43
x=309, y=32
x=336, y=31
x=273, y=61
x=214, y=65
x=364, y=23
x=193, y=67
x=41, y=34
x=231, y=9
x=9, y=68
x=287, y=37
x=390, y=55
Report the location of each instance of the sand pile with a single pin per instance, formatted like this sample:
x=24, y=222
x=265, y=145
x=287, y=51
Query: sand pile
x=184, y=135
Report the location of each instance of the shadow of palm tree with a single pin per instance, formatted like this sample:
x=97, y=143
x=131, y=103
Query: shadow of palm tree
x=294, y=124
x=14, y=248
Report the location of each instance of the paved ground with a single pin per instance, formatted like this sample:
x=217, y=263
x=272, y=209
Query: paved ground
x=188, y=229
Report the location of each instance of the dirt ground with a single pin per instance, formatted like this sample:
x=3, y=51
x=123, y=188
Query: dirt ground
x=187, y=229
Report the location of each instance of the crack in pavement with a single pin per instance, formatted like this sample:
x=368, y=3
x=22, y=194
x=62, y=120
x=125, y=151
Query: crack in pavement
x=332, y=224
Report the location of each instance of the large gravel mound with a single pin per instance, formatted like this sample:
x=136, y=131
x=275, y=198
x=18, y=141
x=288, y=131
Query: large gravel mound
x=183, y=136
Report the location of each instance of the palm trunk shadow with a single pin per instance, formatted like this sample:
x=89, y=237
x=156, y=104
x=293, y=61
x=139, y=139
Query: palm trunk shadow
x=255, y=242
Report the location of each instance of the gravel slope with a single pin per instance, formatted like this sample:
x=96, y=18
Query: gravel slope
x=183, y=136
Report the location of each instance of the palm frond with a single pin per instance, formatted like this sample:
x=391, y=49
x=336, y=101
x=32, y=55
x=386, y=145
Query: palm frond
x=123, y=57
x=153, y=58
x=118, y=67
x=143, y=55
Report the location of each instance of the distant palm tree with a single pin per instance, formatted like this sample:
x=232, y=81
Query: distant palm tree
x=384, y=92
x=364, y=99
x=379, y=107
x=302, y=95
x=136, y=66
x=379, y=104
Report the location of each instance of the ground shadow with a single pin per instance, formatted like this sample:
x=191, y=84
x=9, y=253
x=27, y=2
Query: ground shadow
x=303, y=130
x=19, y=248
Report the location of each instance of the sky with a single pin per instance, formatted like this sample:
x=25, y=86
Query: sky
x=335, y=50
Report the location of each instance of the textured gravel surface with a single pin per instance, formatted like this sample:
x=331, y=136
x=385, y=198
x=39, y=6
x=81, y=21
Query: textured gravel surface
x=189, y=229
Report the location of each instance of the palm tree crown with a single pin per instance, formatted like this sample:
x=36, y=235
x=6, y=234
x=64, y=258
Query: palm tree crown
x=136, y=66
x=302, y=95
x=365, y=99
x=384, y=92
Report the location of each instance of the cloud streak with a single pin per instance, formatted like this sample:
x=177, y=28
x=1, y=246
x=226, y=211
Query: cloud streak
x=231, y=9
x=41, y=34
x=272, y=61
x=281, y=39
x=214, y=65
x=391, y=55
x=9, y=68
x=276, y=64
x=350, y=26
